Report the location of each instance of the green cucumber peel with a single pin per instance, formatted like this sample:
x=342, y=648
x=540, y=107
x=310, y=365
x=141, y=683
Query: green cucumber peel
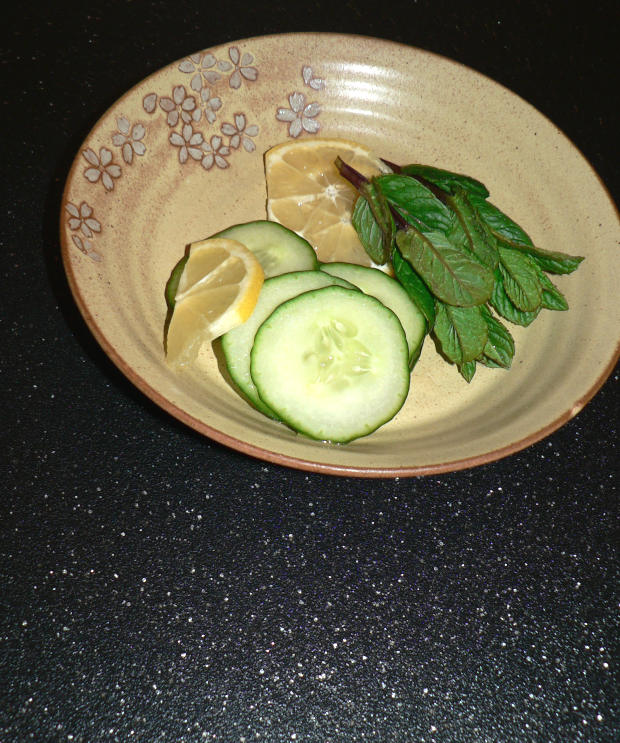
x=173, y=282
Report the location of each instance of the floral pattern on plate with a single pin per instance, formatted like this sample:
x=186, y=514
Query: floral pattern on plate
x=205, y=126
x=190, y=113
x=300, y=115
x=81, y=221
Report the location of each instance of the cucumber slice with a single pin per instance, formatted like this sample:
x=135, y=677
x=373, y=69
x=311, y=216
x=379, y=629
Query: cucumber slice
x=390, y=293
x=237, y=343
x=332, y=363
x=278, y=249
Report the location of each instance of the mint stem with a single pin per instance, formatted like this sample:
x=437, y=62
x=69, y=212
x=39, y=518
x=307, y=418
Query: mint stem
x=358, y=180
x=353, y=176
x=396, y=168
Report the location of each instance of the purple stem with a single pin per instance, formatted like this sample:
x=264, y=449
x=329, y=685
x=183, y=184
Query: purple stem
x=358, y=180
x=353, y=176
x=392, y=166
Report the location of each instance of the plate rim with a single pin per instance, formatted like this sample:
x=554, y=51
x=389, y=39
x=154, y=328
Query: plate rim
x=275, y=457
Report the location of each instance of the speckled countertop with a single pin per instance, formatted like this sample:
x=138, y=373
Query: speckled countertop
x=156, y=586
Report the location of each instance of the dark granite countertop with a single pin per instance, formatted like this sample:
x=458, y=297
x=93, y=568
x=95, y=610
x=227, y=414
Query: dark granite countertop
x=156, y=586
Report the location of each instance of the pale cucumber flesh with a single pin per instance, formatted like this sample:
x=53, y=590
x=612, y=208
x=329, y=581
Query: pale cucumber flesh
x=390, y=293
x=237, y=343
x=332, y=363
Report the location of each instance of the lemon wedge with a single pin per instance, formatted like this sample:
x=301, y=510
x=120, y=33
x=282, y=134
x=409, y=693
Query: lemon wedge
x=307, y=194
x=217, y=291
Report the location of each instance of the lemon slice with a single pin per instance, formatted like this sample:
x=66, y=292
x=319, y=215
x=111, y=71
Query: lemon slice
x=307, y=194
x=217, y=291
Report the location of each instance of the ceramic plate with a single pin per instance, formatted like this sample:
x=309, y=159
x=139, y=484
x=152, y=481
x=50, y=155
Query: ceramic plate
x=180, y=157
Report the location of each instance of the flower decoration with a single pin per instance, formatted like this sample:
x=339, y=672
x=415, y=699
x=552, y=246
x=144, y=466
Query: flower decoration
x=200, y=67
x=149, y=103
x=209, y=105
x=300, y=116
x=241, y=67
x=129, y=138
x=180, y=105
x=101, y=167
x=189, y=143
x=85, y=246
x=215, y=153
x=81, y=218
x=240, y=133
x=316, y=83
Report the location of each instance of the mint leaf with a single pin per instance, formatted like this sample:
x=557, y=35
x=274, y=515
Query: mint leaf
x=499, y=349
x=368, y=231
x=520, y=279
x=383, y=216
x=454, y=252
x=445, y=179
x=450, y=272
x=480, y=239
x=414, y=286
x=416, y=203
x=551, y=260
x=467, y=370
x=505, y=228
x=552, y=297
x=461, y=332
x=502, y=304
x=500, y=223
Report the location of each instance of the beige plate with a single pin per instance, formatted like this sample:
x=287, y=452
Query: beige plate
x=179, y=157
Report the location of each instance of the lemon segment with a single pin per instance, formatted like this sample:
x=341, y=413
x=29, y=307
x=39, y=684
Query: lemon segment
x=307, y=194
x=217, y=291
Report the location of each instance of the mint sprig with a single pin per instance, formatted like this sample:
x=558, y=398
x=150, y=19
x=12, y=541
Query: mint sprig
x=463, y=261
